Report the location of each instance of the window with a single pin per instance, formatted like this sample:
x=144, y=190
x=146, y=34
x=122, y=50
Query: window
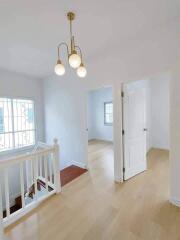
x=1, y=120
x=17, y=127
x=108, y=113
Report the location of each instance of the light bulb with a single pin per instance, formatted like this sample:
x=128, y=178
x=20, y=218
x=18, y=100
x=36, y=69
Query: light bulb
x=74, y=60
x=59, y=68
x=81, y=71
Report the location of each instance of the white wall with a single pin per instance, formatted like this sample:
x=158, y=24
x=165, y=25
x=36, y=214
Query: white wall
x=90, y=116
x=157, y=109
x=65, y=114
x=17, y=85
x=157, y=52
x=96, y=127
x=159, y=94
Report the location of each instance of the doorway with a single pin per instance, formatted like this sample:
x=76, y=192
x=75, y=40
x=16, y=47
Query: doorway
x=100, y=131
x=145, y=120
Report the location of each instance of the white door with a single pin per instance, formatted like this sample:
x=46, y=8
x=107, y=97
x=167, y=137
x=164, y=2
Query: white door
x=134, y=126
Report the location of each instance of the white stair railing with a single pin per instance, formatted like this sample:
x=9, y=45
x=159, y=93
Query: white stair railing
x=38, y=168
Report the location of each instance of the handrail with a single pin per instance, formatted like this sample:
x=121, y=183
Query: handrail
x=23, y=157
x=41, y=145
x=39, y=166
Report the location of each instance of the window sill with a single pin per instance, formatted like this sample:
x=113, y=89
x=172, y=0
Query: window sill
x=108, y=124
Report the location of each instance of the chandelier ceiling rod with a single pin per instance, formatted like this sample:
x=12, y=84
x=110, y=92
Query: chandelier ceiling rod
x=71, y=17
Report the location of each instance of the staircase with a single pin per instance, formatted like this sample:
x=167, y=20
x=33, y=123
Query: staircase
x=38, y=179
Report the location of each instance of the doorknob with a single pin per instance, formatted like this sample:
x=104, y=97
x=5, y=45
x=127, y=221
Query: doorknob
x=145, y=129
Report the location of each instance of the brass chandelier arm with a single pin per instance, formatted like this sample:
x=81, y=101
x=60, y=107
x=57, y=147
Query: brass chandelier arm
x=79, y=50
x=62, y=44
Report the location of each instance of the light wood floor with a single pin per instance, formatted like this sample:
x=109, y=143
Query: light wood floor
x=93, y=207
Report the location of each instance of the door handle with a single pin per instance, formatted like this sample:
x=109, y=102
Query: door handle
x=145, y=129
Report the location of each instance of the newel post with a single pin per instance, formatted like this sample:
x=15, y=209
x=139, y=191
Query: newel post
x=57, y=166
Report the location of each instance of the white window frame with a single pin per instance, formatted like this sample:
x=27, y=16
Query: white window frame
x=21, y=149
x=105, y=123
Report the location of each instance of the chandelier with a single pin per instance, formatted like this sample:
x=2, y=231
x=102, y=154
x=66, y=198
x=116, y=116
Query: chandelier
x=74, y=55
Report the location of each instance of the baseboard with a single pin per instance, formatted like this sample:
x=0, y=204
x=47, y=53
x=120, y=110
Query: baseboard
x=175, y=202
x=98, y=139
x=91, y=139
x=158, y=148
x=79, y=164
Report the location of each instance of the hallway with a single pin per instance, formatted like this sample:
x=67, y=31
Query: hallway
x=93, y=207
x=101, y=160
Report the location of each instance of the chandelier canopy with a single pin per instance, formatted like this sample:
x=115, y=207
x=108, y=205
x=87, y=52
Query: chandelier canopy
x=74, y=54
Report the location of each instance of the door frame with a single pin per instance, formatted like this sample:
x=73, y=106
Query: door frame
x=123, y=131
x=117, y=87
x=118, y=130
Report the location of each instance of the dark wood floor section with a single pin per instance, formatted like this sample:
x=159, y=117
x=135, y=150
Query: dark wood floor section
x=70, y=173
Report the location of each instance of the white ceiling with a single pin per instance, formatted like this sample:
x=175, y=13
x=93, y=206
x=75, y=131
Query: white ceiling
x=31, y=30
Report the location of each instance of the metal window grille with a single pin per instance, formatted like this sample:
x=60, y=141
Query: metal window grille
x=17, y=123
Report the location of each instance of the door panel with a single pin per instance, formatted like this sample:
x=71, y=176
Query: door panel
x=134, y=123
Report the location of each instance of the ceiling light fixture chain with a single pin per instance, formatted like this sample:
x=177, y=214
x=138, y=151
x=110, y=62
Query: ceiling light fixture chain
x=75, y=59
